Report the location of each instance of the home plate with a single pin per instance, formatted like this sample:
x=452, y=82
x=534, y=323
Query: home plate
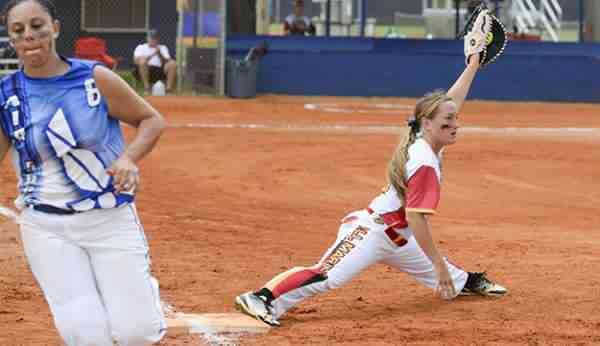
x=229, y=324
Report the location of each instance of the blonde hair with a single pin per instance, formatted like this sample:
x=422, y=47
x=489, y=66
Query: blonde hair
x=426, y=107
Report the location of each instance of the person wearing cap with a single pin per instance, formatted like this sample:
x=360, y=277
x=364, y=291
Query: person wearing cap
x=153, y=63
x=297, y=23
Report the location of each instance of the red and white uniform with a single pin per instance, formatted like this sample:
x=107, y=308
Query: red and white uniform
x=378, y=234
x=423, y=173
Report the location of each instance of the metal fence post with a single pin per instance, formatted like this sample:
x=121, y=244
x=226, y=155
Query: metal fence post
x=363, y=17
x=457, y=21
x=328, y=18
x=180, y=54
x=581, y=20
x=222, y=53
x=195, y=23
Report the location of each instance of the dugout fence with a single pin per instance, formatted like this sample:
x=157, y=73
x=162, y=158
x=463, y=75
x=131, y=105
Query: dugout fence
x=196, y=30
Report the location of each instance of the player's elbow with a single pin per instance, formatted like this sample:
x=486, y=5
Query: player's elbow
x=155, y=122
x=160, y=124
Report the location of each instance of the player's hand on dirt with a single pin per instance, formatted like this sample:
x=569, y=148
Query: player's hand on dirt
x=125, y=174
x=445, y=287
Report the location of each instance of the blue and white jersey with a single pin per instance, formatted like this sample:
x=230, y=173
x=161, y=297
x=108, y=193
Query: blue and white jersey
x=63, y=139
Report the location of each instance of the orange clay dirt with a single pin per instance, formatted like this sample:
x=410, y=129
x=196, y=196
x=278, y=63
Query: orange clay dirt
x=227, y=207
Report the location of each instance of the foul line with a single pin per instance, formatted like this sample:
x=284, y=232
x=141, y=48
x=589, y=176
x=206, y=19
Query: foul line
x=376, y=108
x=544, y=131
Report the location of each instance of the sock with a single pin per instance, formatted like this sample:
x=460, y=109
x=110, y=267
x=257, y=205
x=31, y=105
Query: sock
x=472, y=279
x=266, y=294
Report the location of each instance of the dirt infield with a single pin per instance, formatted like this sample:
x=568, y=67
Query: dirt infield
x=238, y=191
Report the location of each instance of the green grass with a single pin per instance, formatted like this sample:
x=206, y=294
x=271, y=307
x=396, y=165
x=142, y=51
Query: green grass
x=127, y=76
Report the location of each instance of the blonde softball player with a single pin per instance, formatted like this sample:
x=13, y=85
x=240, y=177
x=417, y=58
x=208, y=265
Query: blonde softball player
x=394, y=229
x=81, y=233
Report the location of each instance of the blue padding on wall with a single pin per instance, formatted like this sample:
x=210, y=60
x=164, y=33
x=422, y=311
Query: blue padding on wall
x=528, y=71
x=300, y=44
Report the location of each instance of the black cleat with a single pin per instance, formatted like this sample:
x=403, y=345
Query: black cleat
x=479, y=284
x=254, y=306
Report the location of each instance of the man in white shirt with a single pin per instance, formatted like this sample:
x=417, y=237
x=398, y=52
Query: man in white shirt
x=153, y=63
x=297, y=23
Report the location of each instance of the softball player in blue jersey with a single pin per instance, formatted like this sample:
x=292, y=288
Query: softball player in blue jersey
x=77, y=179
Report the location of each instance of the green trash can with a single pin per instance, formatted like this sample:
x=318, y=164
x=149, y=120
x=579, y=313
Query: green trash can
x=241, y=78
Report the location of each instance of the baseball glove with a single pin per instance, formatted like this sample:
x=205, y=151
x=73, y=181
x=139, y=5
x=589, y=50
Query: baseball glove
x=485, y=35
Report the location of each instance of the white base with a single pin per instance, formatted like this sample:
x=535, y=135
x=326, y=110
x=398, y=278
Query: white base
x=225, y=323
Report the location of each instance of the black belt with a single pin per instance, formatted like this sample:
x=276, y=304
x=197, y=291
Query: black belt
x=49, y=209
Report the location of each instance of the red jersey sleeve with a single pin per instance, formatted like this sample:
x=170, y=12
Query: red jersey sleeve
x=423, y=194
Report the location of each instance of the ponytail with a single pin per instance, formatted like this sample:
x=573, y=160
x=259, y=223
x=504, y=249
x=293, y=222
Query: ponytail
x=426, y=107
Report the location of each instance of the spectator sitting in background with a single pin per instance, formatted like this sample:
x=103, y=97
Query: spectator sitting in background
x=297, y=23
x=153, y=63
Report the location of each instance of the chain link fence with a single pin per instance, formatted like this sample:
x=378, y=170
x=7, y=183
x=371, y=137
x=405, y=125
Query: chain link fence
x=110, y=30
x=201, y=48
x=194, y=30
x=551, y=20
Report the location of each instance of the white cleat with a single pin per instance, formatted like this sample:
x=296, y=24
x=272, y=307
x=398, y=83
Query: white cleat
x=254, y=306
x=482, y=286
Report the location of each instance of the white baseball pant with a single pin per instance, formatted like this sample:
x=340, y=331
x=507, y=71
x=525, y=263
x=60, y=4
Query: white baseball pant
x=94, y=270
x=368, y=245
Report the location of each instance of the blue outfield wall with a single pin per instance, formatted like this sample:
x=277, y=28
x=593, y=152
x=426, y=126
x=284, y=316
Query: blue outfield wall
x=527, y=71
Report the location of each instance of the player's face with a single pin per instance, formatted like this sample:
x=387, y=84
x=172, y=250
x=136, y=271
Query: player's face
x=443, y=128
x=152, y=42
x=32, y=32
x=299, y=10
